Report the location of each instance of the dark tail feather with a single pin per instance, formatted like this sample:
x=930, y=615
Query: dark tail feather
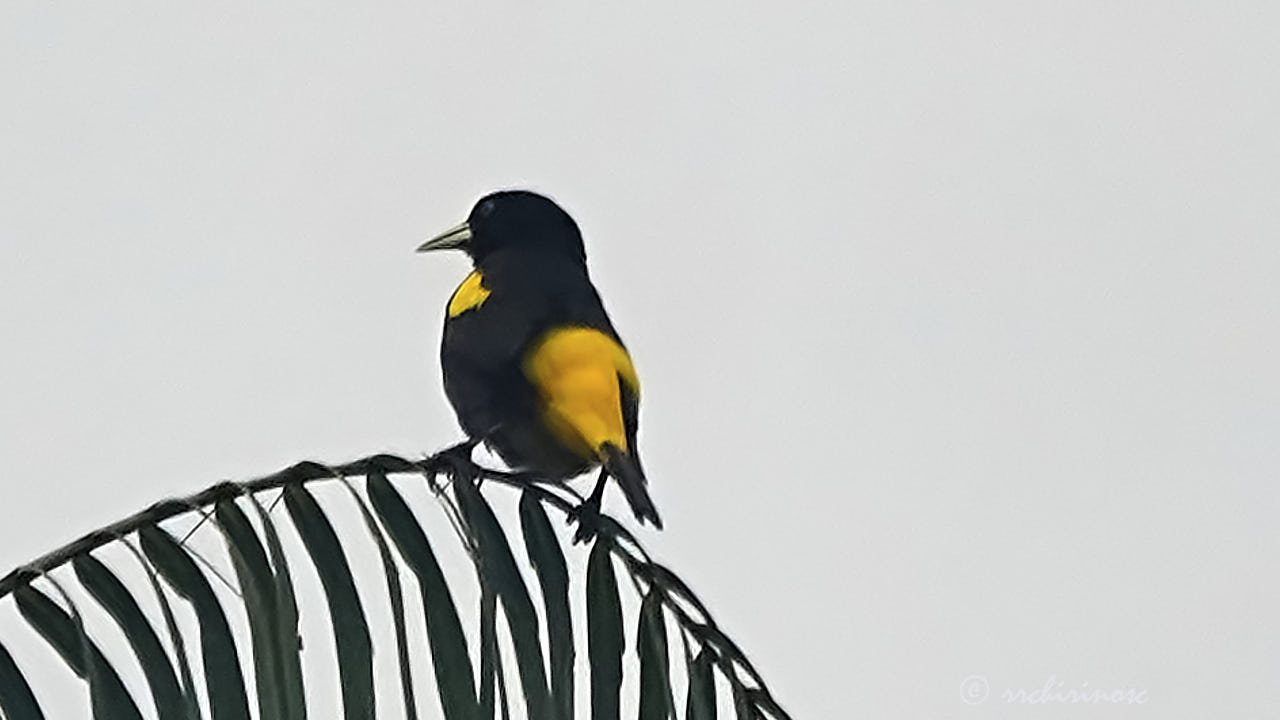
x=626, y=469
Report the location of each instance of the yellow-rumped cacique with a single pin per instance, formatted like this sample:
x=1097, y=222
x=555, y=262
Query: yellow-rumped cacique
x=532, y=364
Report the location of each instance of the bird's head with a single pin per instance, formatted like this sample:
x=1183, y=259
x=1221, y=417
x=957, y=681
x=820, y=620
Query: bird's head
x=512, y=220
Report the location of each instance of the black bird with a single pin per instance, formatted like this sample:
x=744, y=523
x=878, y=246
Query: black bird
x=532, y=364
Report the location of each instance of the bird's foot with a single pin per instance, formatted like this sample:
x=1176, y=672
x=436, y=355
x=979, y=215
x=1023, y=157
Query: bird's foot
x=587, y=516
x=456, y=459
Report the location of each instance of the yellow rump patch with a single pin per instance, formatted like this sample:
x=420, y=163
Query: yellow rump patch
x=577, y=371
x=470, y=295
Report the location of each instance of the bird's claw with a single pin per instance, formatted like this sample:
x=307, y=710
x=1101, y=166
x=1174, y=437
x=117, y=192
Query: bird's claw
x=456, y=459
x=587, y=516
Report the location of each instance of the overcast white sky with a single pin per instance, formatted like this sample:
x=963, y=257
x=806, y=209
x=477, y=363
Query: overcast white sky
x=957, y=321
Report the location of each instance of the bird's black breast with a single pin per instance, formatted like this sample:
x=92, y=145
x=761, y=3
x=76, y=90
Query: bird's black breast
x=484, y=346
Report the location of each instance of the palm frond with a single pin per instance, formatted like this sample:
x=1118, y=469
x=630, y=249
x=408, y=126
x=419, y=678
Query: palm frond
x=245, y=640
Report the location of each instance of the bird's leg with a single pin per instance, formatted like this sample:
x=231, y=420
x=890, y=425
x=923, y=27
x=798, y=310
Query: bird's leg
x=588, y=513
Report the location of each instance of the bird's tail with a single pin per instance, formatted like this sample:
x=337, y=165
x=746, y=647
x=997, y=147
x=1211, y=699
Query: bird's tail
x=626, y=468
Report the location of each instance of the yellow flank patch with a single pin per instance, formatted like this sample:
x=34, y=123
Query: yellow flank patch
x=470, y=294
x=577, y=372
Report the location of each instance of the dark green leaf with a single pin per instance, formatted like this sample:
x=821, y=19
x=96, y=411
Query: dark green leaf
x=257, y=585
x=108, y=695
x=605, y=639
x=450, y=658
x=742, y=705
x=548, y=562
x=731, y=657
x=107, y=589
x=701, y=703
x=766, y=704
x=190, y=703
x=396, y=597
x=16, y=698
x=288, y=637
x=227, y=699
x=498, y=567
x=651, y=646
x=503, y=705
x=489, y=657
x=350, y=628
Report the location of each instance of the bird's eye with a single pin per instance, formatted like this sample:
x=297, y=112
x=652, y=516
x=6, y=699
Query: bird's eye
x=485, y=209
